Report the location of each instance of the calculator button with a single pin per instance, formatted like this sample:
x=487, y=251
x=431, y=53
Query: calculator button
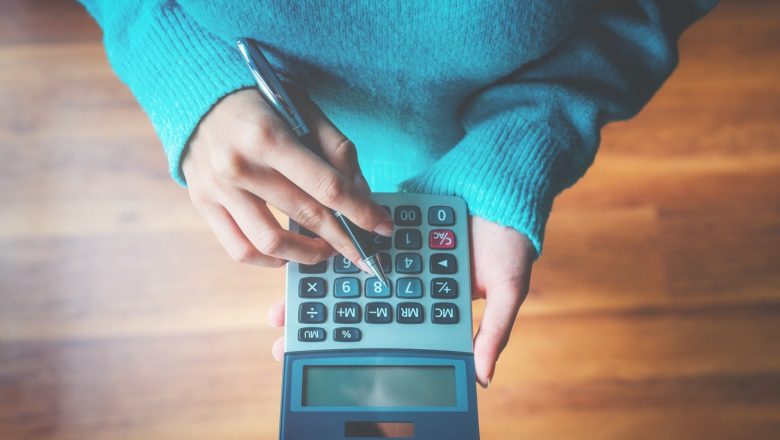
x=342, y=264
x=346, y=312
x=313, y=268
x=441, y=239
x=346, y=287
x=408, y=239
x=386, y=262
x=311, y=313
x=311, y=334
x=379, y=313
x=381, y=242
x=408, y=263
x=444, y=288
x=409, y=288
x=408, y=216
x=444, y=263
x=441, y=216
x=375, y=288
x=410, y=313
x=444, y=313
x=346, y=334
x=311, y=287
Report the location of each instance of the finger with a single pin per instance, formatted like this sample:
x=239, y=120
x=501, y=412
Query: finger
x=229, y=235
x=322, y=182
x=276, y=314
x=501, y=306
x=336, y=148
x=264, y=232
x=304, y=210
x=277, y=350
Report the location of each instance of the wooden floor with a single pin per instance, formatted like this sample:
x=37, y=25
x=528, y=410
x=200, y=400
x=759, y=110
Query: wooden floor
x=654, y=313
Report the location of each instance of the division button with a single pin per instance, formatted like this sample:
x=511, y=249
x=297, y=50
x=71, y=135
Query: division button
x=409, y=288
x=342, y=264
x=446, y=288
x=408, y=216
x=347, y=334
x=346, y=312
x=441, y=216
x=408, y=239
x=375, y=288
x=312, y=287
x=346, y=287
x=408, y=263
x=444, y=263
x=379, y=313
x=441, y=239
x=311, y=313
x=410, y=313
x=444, y=313
x=311, y=334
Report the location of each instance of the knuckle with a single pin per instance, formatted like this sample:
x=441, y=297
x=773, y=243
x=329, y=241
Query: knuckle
x=229, y=165
x=270, y=243
x=264, y=137
x=345, y=150
x=309, y=216
x=245, y=254
x=330, y=189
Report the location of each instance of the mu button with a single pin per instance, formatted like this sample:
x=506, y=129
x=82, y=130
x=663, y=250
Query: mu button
x=311, y=334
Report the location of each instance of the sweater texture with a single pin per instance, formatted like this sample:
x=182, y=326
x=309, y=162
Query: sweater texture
x=499, y=102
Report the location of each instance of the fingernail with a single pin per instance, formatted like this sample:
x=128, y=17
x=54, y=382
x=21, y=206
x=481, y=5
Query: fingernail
x=361, y=183
x=385, y=228
x=364, y=267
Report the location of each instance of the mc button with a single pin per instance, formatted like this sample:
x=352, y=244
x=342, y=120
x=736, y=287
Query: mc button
x=444, y=313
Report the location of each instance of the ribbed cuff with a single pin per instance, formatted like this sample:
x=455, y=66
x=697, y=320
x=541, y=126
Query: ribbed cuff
x=503, y=168
x=177, y=70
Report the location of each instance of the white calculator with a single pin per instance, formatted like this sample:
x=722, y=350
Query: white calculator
x=364, y=361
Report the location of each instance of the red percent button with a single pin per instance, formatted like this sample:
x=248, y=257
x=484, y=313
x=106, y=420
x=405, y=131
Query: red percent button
x=441, y=239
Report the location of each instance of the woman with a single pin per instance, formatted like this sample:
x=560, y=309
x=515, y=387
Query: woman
x=500, y=103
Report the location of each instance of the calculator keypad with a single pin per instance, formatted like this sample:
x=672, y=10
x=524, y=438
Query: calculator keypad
x=423, y=307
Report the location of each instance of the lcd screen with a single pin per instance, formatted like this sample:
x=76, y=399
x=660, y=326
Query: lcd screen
x=379, y=386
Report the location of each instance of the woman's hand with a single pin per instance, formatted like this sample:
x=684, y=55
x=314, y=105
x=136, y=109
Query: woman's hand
x=242, y=156
x=501, y=264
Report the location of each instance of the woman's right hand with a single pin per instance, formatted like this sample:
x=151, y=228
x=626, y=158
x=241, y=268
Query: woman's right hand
x=243, y=156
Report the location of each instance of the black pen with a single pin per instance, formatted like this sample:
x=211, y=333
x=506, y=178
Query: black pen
x=276, y=96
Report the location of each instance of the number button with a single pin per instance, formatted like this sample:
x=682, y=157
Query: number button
x=386, y=262
x=441, y=239
x=408, y=239
x=346, y=312
x=444, y=313
x=311, y=334
x=346, y=334
x=311, y=287
x=407, y=216
x=410, y=313
x=408, y=263
x=379, y=313
x=346, y=288
x=342, y=264
x=446, y=288
x=313, y=268
x=409, y=288
x=311, y=313
x=441, y=216
x=381, y=242
x=375, y=288
x=444, y=263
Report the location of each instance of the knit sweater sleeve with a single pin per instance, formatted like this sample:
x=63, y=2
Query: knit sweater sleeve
x=534, y=133
x=176, y=69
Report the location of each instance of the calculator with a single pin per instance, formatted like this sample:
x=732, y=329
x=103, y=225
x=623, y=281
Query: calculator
x=365, y=361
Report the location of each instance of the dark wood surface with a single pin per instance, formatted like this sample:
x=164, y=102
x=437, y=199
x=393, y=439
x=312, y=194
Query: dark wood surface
x=654, y=313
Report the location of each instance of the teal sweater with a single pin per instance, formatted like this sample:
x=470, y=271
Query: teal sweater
x=499, y=102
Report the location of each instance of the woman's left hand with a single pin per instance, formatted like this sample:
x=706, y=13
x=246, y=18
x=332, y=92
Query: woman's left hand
x=501, y=265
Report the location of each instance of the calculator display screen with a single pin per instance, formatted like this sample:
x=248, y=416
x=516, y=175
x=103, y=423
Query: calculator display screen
x=379, y=385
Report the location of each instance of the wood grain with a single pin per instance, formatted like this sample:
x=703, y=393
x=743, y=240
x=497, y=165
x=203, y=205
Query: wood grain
x=654, y=313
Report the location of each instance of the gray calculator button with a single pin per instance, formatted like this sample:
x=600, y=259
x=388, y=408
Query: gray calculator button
x=408, y=239
x=444, y=313
x=381, y=242
x=313, y=268
x=346, y=287
x=408, y=263
x=379, y=313
x=446, y=288
x=312, y=287
x=311, y=334
x=409, y=288
x=346, y=312
x=375, y=288
x=311, y=313
x=444, y=263
x=386, y=261
x=347, y=334
x=441, y=216
x=341, y=264
x=410, y=313
x=408, y=216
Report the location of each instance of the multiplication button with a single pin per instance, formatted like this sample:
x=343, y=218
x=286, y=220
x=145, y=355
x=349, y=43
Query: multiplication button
x=311, y=334
x=441, y=216
x=311, y=287
x=311, y=313
x=410, y=313
x=444, y=313
x=347, y=334
x=379, y=313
